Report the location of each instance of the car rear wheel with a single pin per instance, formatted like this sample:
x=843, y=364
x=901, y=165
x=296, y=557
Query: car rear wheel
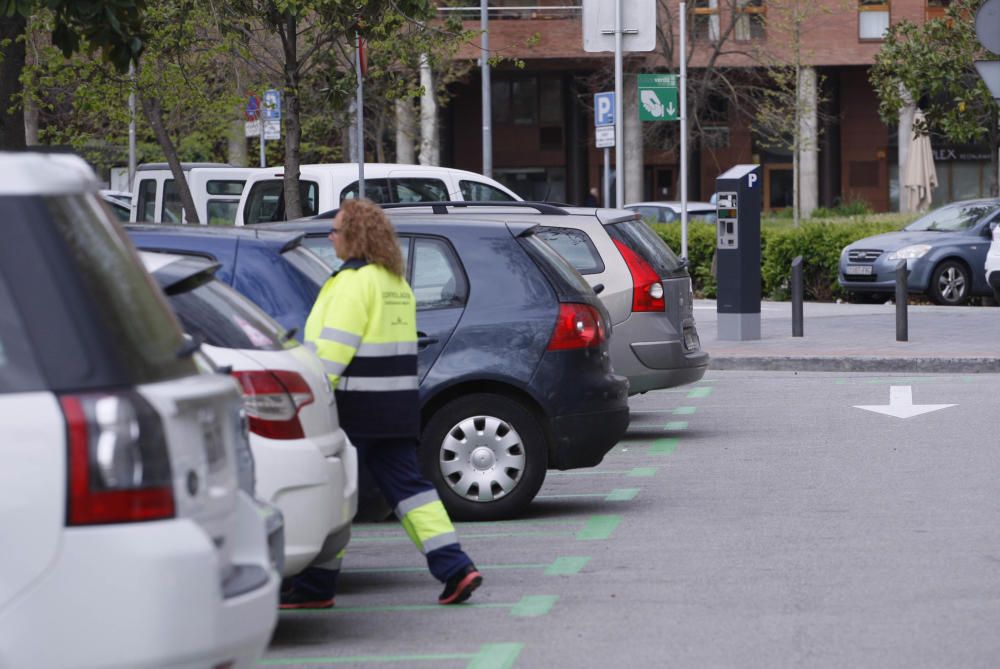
x=950, y=284
x=486, y=454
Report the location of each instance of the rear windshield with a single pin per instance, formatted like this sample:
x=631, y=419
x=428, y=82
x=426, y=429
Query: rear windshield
x=575, y=246
x=130, y=304
x=18, y=370
x=222, y=317
x=307, y=262
x=650, y=246
x=566, y=280
x=322, y=247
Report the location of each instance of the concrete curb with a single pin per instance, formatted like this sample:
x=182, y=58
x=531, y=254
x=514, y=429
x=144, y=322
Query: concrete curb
x=855, y=364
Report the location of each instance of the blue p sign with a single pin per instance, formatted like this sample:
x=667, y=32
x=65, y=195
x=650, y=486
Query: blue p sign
x=604, y=108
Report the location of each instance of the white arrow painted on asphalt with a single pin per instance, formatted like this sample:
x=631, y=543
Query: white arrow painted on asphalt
x=901, y=404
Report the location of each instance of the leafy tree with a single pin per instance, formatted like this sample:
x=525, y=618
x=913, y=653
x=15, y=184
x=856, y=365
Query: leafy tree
x=932, y=64
x=113, y=28
x=287, y=39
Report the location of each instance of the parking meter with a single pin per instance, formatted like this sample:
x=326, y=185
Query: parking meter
x=738, y=253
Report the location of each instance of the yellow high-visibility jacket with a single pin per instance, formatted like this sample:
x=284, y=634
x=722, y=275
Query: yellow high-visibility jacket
x=364, y=328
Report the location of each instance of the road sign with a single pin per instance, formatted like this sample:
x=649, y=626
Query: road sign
x=271, y=106
x=638, y=25
x=988, y=25
x=272, y=129
x=253, y=108
x=604, y=109
x=252, y=128
x=604, y=136
x=658, y=97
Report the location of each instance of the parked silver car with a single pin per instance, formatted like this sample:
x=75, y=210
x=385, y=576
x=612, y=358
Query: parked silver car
x=645, y=287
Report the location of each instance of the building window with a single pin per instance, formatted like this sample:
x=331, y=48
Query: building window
x=705, y=26
x=873, y=19
x=750, y=19
x=935, y=9
x=527, y=101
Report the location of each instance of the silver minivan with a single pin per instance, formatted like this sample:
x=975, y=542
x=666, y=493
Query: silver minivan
x=645, y=287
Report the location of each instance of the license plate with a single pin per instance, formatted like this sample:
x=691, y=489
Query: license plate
x=858, y=269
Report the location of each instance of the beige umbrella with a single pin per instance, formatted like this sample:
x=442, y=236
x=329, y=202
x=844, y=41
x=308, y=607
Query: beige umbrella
x=919, y=175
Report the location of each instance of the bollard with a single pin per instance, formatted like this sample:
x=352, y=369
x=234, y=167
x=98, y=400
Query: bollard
x=902, y=325
x=797, y=296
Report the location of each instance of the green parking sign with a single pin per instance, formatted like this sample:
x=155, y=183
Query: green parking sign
x=658, y=97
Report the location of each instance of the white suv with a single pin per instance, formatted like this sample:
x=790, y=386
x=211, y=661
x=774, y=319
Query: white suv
x=127, y=541
x=305, y=464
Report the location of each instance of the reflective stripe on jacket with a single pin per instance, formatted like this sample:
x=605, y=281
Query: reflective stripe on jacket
x=363, y=327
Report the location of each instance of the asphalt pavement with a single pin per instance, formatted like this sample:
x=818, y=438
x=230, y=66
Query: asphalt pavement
x=859, y=338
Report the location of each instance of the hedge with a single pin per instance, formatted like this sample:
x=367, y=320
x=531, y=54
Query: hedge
x=818, y=242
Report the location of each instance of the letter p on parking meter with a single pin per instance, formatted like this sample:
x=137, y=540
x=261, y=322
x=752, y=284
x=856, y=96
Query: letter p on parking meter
x=737, y=244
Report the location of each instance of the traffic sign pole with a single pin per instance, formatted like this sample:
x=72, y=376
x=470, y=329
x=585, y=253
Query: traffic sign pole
x=361, y=121
x=619, y=115
x=684, y=122
x=606, y=190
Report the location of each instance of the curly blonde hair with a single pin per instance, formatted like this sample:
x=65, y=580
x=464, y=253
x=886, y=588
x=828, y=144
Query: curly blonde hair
x=367, y=234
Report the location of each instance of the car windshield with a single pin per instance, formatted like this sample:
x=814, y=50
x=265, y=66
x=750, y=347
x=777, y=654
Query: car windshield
x=222, y=317
x=953, y=218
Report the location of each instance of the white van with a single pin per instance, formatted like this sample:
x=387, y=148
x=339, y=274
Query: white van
x=324, y=187
x=215, y=188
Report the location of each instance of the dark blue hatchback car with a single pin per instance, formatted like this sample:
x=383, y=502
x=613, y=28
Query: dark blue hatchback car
x=514, y=371
x=272, y=269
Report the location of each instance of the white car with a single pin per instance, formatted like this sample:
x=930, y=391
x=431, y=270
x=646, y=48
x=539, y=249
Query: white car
x=670, y=212
x=127, y=541
x=305, y=464
x=993, y=263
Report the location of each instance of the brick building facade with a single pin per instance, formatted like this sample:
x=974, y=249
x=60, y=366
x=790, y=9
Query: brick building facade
x=542, y=117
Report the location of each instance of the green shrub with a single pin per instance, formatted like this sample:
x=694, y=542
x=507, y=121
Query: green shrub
x=818, y=242
x=856, y=207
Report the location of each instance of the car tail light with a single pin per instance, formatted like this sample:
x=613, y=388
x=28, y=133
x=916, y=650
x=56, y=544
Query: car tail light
x=119, y=462
x=647, y=289
x=577, y=326
x=272, y=400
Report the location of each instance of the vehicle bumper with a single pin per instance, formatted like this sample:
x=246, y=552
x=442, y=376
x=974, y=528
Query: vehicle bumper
x=582, y=440
x=993, y=278
x=652, y=354
x=317, y=494
x=883, y=276
x=145, y=595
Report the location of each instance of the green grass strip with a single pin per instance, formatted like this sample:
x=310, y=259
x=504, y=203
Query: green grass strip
x=663, y=446
x=359, y=659
x=676, y=425
x=599, y=528
x=567, y=566
x=642, y=472
x=496, y=656
x=684, y=411
x=622, y=495
x=703, y=391
x=533, y=606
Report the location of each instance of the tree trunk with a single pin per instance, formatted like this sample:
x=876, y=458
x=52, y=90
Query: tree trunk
x=236, y=147
x=154, y=115
x=405, y=132
x=429, y=146
x=293, y=129
x=11, y=65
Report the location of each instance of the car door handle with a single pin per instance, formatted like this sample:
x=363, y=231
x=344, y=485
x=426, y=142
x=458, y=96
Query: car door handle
x=423, y=341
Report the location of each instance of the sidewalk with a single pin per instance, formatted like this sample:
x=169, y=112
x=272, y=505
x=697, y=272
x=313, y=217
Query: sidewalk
x=859, y=337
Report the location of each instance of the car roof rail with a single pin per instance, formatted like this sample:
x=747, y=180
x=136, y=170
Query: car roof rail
x=442, y=207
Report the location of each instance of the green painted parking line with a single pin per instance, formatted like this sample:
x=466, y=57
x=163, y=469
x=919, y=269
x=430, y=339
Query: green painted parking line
x=676, y=425
x=702, y=391
x=635, y=471
x=599, y=528
x=464, y=535
x=533, y=606
x=640, y=472
x=496, y=656
x=622, y=495
x=663, y=446
x=489, y=656
x=684, y=411
x=566, y=566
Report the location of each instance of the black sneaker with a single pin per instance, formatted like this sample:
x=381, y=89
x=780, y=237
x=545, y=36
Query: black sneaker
x=296, y=599
x=460, y=586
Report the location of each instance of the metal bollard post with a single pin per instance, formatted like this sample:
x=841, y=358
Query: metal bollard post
x=902, y=323
x=797, y=296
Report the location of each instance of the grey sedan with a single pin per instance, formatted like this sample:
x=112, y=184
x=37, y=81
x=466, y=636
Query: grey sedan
x=945, y=252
